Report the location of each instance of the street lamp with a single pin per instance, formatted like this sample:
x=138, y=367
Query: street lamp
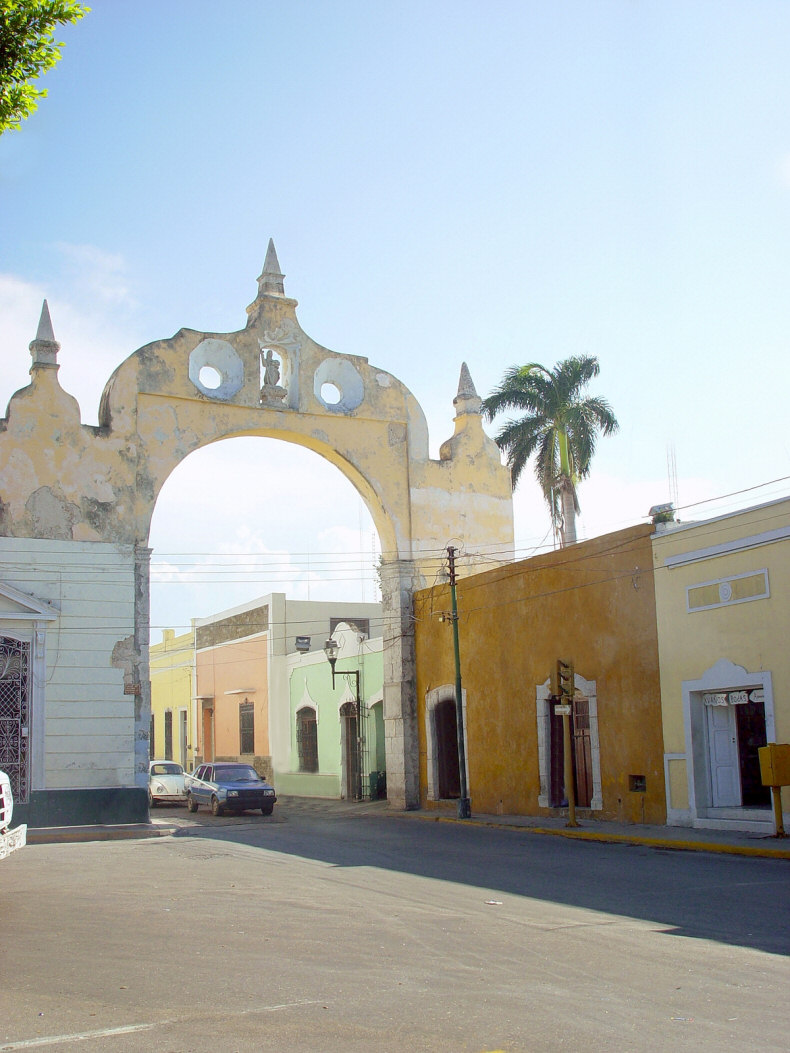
x=331, y=650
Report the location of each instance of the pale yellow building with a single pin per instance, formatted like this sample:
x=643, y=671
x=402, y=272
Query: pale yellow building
x=723, y=610
x=172, y=664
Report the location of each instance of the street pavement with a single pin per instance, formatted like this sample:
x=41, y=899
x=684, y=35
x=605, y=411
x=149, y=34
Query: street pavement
x=338, y=927
x=728, y=841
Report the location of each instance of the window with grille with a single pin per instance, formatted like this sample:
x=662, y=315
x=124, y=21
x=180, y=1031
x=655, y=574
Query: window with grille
x=307, y=739
x=15, y=714
x=246, y=727
x=168, y=734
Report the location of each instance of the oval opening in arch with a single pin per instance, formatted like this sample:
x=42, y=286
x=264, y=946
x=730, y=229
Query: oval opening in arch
x=210, y=377
x=331, y=393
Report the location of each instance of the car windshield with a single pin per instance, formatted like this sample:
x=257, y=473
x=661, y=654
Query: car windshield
x=236, y=774
x=166, y=769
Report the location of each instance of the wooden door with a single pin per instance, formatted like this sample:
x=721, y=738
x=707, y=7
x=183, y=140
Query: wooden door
x=446, y=723
x=581, y=756
x=750, y=723
x=582, y=752
x=725, y=776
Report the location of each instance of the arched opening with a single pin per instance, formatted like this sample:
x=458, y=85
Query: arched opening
x=251, y=515
x=307, y=739
x=258, y=548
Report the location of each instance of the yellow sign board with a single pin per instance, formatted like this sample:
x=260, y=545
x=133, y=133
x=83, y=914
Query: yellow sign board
x=775, y=764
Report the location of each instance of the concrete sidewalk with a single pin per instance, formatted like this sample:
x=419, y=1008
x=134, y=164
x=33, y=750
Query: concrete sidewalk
x=733, y=842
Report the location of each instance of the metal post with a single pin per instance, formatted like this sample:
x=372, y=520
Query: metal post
x=464, y=804
x=776, y=793
x=360, y=738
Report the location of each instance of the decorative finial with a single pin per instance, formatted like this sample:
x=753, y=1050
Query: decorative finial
x=270, y=280
x=467, y=400
x=44, y=349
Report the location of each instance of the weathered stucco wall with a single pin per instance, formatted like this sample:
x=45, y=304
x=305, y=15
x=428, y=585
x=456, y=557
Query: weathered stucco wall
x=85, y=708
x=594, y=603
x=63, y=480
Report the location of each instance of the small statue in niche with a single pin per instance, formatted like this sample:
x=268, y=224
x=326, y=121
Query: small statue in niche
x=271, y=390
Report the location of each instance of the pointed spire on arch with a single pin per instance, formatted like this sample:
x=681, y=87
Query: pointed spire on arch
x=270, y=280
x=467, y=400
x=44, y=349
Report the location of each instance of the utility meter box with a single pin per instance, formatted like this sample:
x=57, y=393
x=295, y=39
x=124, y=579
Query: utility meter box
x=775, y=764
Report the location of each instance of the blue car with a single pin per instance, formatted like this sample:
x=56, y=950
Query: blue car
x=226, y=787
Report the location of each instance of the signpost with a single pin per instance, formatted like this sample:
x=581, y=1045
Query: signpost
x=562, y=690
x=775, y=772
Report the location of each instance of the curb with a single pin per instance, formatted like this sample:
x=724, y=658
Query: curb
x=62, y=835
x=764, y=852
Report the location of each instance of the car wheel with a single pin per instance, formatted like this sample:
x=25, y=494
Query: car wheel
x=216, y=807
x=151, y=801
x=191, y=803
x=267, y=809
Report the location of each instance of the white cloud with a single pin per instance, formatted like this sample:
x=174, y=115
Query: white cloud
x=96, y=275
x=93, y=341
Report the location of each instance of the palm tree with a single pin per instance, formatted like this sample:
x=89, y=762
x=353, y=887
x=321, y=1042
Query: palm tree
x=558, y=424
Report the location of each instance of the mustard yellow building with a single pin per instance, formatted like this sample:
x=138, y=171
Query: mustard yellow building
x=593, y=603
x=723, y=611
x=172, y=735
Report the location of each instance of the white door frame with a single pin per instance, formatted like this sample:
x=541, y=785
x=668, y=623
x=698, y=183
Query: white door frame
x=723, y=675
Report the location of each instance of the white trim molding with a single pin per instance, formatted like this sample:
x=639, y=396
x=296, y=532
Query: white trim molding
x=726, y=548
x=726, y=594
x=723, y=675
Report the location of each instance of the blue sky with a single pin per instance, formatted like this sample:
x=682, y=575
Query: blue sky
x=494, y=183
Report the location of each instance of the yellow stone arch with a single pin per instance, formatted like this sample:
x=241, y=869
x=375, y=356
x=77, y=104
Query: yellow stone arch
x=66, y=482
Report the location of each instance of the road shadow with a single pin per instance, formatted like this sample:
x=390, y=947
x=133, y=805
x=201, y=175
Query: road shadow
x=736, y=900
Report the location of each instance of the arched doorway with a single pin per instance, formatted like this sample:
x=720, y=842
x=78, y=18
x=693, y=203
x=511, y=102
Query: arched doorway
x=350, y=732
x=447, y=749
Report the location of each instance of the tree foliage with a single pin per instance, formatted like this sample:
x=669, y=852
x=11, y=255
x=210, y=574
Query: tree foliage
x=27, y=50
x=558, y=424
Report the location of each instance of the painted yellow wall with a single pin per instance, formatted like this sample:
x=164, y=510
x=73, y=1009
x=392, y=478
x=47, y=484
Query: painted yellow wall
x=750, y=634
x=171, y=666
x=593, y=602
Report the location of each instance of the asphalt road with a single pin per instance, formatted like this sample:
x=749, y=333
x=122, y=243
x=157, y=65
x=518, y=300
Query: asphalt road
x=324, y=930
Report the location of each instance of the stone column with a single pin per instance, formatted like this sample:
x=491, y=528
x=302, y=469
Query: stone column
x=400, y=701
x=140, y=669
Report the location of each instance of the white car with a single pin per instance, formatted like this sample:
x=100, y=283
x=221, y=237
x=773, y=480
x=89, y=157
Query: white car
x=166, y=783
x=10, y=840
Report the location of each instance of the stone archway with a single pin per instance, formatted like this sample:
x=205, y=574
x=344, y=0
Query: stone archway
x=67, y=484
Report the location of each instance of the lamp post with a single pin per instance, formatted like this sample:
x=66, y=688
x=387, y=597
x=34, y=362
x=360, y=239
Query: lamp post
x=331, y=650
x=464, y=804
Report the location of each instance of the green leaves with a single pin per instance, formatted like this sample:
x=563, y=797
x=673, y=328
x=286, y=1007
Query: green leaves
x=27, y=50
x=558, y=425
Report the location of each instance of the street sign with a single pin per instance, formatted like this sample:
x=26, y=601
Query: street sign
x=562, y=711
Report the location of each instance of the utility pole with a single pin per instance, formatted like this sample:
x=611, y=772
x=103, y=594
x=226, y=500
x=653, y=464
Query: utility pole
x=464, y=804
